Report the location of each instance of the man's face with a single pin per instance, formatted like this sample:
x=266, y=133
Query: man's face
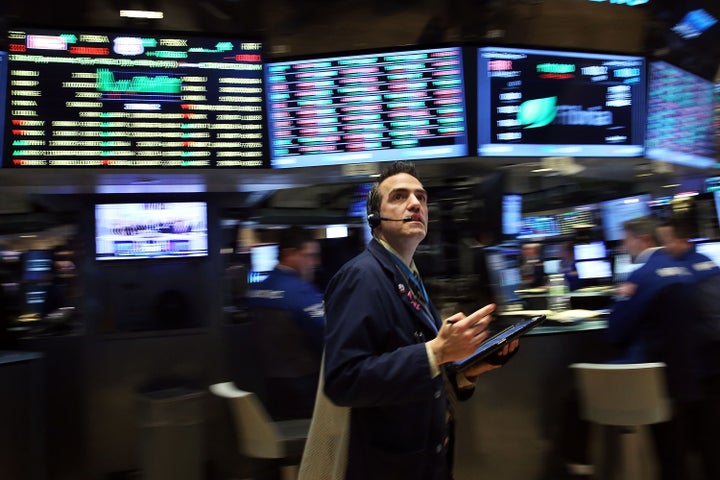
x=403, y=196
x=307, y=259
x=634, y=244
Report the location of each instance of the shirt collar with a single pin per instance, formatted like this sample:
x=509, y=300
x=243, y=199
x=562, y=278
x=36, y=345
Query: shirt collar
x=412, y=266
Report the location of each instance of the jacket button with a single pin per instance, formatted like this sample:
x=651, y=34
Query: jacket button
x=437, y=394
x=438, y=448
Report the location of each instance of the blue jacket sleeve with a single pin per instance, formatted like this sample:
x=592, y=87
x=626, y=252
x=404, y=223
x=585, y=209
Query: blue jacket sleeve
x=374, y=354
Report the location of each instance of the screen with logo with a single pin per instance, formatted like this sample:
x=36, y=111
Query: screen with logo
x=554, y=103
x=154, y=100
x=401, y=105
x=125, y=231
x=680, y=117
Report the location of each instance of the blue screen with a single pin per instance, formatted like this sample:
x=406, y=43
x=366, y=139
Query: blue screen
x=616, y=212
x=402, y=105
x=551, y=103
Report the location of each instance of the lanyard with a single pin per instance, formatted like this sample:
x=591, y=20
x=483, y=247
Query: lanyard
x=419, y=289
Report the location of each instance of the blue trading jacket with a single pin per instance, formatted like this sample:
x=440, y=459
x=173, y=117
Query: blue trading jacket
x=284, y=290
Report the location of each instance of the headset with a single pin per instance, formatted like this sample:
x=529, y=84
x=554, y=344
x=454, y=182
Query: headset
x=374, y=219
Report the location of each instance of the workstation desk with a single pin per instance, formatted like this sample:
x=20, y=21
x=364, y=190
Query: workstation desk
x=510, y=428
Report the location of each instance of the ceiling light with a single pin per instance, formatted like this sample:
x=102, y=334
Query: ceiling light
x=141, y=14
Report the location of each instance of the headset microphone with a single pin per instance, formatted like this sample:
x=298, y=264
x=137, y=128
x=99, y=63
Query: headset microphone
x=374, y=219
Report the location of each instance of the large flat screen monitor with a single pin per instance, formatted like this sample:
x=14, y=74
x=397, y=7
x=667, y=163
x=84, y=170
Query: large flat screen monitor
x=680, y=117
x=538, y=103
x=131, y=231
x=617, y=211
x=391, y=105
x=143, y=100
x=3, y=91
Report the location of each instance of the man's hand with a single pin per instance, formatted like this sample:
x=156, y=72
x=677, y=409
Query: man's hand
x=482, y=367
x=461, y=335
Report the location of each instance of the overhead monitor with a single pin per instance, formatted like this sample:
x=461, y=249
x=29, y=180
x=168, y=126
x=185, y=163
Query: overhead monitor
x=3, y=91
x=617, y=211
x=389, y=105
x=544, y=103
x=129, y=99
x=681, y=109
x=136, y=231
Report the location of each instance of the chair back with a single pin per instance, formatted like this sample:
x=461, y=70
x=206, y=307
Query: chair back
x=257, y=434
x=622, y=394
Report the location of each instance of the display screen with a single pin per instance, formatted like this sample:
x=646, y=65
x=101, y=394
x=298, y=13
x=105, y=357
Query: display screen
x=711, y=249
x=402, y=105
x=539, y=226
x=616, y=212
x=150, y=230
x=511, y=214
x=593, y=269
x=589, y=251
x=3, y=90
x=579, y=217
x=623, y=266
x=553, y=103
x=680, y=117
x=157, y=100
x=263, y=259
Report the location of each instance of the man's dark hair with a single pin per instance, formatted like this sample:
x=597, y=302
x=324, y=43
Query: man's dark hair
x=374, y=200
x=642, y=226
x=683, y=226
x=294, y=237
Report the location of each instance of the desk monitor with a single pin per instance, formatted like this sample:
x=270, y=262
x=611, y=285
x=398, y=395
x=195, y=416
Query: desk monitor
x=551, y=267
x=504, y=276
x=623, y=266
x=359, y=108
x=589, y=251
x=263, y=259
x=711, y=249
x=594, y=270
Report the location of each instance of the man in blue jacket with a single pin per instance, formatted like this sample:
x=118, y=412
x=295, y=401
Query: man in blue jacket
x=386, y=348
x=289, y=325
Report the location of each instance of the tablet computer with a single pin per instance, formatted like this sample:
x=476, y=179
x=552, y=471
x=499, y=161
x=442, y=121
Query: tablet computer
x=497, y=341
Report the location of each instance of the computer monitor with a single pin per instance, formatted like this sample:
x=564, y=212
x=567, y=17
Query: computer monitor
x=589, y=251
x=263, y=259
x=623, y=266
x=711, y=249
x=504, y=276
x=594, y=270
x=551, y=267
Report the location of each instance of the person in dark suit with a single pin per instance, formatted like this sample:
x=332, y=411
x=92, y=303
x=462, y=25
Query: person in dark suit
x=387, y=350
